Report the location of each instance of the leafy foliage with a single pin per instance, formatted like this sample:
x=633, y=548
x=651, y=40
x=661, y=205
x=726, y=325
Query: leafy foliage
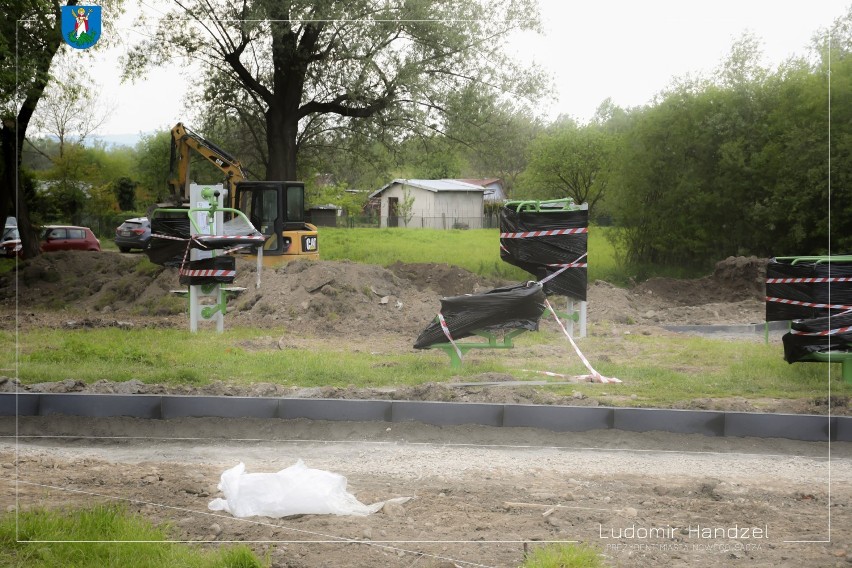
x=125, y=193
x=740, y=163
x=569, y=161
x=151, y=166
x=310, y=69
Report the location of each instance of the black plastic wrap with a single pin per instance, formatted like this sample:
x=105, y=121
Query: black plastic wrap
x=515, y=307
x=226, y=263
x=215, y=242
x=168, y=252
x=535, y=254
x=811, y=292
x=799, y=347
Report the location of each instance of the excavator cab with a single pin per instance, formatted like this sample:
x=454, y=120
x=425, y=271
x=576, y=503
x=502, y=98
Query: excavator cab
x=277, y=210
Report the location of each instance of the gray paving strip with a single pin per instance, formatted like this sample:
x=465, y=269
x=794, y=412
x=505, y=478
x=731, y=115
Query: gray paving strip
x=517, y=383
x=807, y=427
x=774, y=327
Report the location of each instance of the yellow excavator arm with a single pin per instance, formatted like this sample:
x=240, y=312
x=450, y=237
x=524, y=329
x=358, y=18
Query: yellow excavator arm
x=184, y=140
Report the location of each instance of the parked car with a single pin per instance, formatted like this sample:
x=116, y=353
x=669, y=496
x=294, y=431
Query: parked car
x=133, y=234
x=68, y=237
x=10, y=245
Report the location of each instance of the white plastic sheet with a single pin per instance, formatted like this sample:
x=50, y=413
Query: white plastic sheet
x=296, y=490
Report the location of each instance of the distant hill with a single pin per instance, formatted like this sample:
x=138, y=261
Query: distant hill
x=118, y=139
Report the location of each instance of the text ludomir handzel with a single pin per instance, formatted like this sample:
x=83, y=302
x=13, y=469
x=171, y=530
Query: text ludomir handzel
x=692, y=532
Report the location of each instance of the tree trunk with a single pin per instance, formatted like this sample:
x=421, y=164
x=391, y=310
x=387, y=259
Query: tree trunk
x=281, y=132
x=13, y=201
x=7, y=169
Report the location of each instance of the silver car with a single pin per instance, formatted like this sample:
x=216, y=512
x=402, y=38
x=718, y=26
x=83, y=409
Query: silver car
x=133, y=234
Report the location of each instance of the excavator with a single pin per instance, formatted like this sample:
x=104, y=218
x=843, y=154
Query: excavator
x=275, y=208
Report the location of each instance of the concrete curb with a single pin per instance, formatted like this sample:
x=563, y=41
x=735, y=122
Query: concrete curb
x=807, y=427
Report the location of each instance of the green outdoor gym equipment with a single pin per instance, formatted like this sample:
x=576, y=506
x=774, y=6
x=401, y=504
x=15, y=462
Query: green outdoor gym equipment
x=842, y=357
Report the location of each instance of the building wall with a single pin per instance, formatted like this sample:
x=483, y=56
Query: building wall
x=423, y=201
x=437, y=210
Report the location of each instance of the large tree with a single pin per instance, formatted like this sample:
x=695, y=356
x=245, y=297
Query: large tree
x=309, y=67
x=493, y=134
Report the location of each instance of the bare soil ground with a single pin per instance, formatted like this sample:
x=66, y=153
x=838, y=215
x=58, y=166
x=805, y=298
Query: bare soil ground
x=479, y=493
x=346, y=298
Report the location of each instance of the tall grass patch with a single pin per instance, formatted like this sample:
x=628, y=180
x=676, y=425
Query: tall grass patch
x=104, y=536
x=564, y=556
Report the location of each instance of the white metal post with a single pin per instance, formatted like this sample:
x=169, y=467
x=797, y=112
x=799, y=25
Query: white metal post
x=580, y=307
x=196, y=291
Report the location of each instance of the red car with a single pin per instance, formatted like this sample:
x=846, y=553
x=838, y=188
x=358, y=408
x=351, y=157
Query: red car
x=68, y=237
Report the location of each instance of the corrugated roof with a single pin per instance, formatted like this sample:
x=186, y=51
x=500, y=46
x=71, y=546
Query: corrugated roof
x=434, y=185
x=480, y=181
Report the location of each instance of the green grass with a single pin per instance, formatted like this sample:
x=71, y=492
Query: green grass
x=112, y=534
x=664, y=371
x=656, y=371
x=108, y=243
x=476, y=250
x=178, y=357
x=564, y=556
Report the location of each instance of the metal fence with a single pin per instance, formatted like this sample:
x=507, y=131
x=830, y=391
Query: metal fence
x=103, y=226
x=415, y=222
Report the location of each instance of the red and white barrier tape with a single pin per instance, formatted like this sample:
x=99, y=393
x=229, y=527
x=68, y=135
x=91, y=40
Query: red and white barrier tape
x=547, y=373
x=594, y=376
x=167, y=237
x=446, y=331
x=571, y=378
x=208, y=272
x=230, y=237
x=571, y=265
x=808, y=304
x=554, y=232
x=233, y=249
x=837, y=331
x=808, y=280
x=561, y=270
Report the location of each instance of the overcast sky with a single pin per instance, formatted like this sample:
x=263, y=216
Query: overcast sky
x=624, y=49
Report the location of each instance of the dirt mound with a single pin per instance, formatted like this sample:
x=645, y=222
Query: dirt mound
x=345, y=298
x=734, y=279
x=325, y=296
x=444, y=279
x=733, y=294
x=333, y=296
